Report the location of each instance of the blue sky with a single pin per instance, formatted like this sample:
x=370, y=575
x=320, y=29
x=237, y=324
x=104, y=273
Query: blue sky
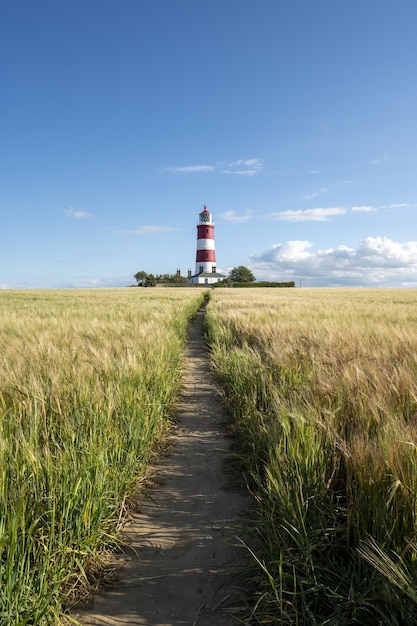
x=294, y=121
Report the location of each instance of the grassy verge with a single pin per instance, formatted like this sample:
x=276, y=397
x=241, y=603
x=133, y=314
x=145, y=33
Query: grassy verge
x=87, y=382
x=323, y=388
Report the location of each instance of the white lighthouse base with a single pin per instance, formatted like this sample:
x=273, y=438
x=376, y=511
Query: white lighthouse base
x=206, y=278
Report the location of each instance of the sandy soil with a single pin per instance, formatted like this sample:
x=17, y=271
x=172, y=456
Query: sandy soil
x=184, y=533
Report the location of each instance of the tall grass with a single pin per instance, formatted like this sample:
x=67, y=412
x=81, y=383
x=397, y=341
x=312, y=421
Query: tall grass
x=87, y=382
x=323, y=387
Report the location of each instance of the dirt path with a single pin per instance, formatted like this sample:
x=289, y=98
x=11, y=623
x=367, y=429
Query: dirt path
x=184, y=532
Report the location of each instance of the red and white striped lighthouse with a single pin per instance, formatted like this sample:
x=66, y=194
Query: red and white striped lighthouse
x=205, y=260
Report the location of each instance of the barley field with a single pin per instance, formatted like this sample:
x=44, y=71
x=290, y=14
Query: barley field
x=322, y=385
x=87, y=382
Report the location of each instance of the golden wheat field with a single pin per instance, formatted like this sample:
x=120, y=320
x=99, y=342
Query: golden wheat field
x=87, y=382
x=322, y=387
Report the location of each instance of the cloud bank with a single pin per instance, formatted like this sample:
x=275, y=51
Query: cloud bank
x=377, y=262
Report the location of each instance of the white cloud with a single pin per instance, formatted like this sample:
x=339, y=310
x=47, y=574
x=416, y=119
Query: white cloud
x=248, y=172
x=231, y=216
x=248, y=163
x=383, y=252
x=241, y=167
x=380, y=159
x=75, y=213
x=289, y=252
x=315, y=194
x=191, y=169
x=307, y=215
x=248, y=167
x=147, y=230
x=377, y=261
x=363, y=209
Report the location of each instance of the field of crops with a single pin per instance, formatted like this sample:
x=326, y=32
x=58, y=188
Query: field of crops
x=87, y=380
x=322, y=385
x=323, y=388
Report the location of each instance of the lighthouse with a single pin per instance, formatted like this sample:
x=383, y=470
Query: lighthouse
x=205, y=260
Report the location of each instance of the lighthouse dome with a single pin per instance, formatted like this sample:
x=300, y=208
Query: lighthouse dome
x=205, y=216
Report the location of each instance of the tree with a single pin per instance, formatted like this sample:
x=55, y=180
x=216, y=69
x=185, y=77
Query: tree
x=141, y=277
x=150, y=280
x=241, y=274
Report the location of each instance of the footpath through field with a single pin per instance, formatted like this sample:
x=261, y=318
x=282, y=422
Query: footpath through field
x=183, y=535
